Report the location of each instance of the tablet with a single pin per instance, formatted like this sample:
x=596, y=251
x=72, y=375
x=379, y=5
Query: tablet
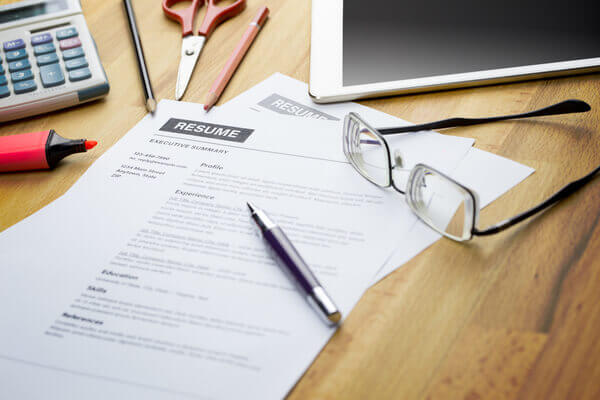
x=373, y=48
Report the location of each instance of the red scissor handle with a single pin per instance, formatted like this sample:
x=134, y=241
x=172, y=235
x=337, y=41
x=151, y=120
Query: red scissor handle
x=215, y=15
x=185, y=17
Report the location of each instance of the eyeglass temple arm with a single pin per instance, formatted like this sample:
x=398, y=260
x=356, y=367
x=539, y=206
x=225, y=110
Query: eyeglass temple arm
x=556, y=197
x=564, y=107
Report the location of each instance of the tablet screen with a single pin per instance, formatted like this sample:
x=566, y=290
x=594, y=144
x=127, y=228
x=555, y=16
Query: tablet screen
x=387, y=40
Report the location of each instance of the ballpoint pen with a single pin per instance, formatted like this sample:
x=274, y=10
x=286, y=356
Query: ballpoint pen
x=295, y=267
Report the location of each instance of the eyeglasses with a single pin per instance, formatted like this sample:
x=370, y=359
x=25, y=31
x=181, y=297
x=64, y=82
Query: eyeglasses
x=438, y=200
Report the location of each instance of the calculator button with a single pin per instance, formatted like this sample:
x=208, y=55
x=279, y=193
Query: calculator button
x=41, y=39
x=25, y=86
x=72, y=53
x=66, y=33
x=15, y=55
x=70, y=43
x=3, y=80
x=52, y=75
x=21, y=76
x=76, y=63
x=44, y=49
x=47, y=59
x=4, y=91
x=18, y=65
x=79, y=74
x=14, y=45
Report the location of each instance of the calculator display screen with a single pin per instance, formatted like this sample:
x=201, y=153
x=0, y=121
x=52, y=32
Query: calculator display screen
x=33, y=10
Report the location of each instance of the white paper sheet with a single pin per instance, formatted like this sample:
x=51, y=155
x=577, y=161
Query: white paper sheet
x=148, y=272
x=489, y=175
x=280, y=96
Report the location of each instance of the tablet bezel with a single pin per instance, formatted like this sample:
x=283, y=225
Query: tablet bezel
x=326, y=66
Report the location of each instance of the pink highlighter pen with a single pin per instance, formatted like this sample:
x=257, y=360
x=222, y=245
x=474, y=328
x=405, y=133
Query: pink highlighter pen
x=38, y=150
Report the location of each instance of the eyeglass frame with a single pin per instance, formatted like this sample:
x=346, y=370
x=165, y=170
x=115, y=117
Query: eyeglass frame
x=569, y=106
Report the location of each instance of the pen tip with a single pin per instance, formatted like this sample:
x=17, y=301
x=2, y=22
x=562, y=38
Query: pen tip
x=251, y=207
x=90, y=144
x=151, y=105
x=335, y=318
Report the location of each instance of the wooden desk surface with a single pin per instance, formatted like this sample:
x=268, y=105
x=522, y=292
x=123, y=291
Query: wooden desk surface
x=515, y=315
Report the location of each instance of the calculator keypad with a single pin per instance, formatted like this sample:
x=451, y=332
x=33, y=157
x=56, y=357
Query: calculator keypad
x=18, y=65
x=15, y=55
x=79, y=74
x=66, y=33
x=25, y=87
x=72, y=53
x=70, y=43
x=46, y=59
x=4, y=90
x=14, y=45
x=52, y=75
x=42, y=50
x=41, y=39
x=21, y=76
x=76, y=63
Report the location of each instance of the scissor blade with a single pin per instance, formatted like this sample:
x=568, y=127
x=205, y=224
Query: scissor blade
x=191, y=47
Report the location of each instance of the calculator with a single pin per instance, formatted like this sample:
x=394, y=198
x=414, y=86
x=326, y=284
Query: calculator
x=48, y=58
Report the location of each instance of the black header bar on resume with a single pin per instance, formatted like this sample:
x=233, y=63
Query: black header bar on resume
x=205, y=129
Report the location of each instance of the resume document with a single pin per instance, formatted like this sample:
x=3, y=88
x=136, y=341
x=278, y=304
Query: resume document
x=148, y=280
x=148, y=273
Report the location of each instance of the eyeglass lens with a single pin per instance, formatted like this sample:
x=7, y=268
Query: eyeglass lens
x=441, y=203
x=366, y=151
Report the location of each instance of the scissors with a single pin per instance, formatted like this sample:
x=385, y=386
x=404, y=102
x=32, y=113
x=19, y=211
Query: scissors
x=191, y=45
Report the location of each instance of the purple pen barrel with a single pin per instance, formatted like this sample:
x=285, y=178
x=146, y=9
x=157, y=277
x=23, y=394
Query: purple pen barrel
x=287, y=256
x=294, y=266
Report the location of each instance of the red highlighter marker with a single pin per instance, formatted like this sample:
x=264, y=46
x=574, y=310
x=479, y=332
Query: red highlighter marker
x=38, y=150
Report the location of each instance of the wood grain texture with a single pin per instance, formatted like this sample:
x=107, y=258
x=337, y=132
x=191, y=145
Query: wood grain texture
x=527, y=301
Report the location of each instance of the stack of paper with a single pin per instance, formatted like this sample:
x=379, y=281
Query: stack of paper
x=166, y=290
x=287, y=97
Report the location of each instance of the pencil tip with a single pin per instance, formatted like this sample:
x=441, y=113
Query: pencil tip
x=210, y=101
x=151, y=105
